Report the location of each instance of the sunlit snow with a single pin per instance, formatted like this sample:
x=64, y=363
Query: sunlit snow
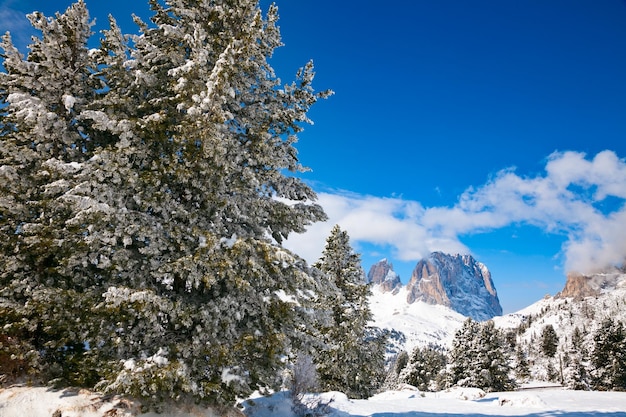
x=471, y=402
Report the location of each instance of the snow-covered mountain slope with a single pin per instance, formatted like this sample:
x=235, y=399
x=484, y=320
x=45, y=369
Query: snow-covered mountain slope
x=575, y=320
x=567, y=313
x=443, y=291
x=413, y=324
x=421, y=324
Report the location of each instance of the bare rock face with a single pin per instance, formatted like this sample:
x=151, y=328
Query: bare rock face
x=455, y=281
x=383, y=275
x=579, y=286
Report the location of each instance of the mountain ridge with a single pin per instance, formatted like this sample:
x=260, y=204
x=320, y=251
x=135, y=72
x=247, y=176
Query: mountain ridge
x=576, y=311
x=455, y=281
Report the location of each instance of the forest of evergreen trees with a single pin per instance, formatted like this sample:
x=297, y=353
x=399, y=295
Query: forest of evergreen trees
x=489, y=358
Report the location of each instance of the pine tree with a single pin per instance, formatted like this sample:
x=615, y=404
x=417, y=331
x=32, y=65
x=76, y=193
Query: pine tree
x=463, y=353
x=608, y=356
x=494, y=359
x=395, y=367
x=423, y=367
x=43, y=146
x=522, y=368
x=478, y=358
x=167, y=159
x=549, y=341
x=352, y=359
x=576, y=373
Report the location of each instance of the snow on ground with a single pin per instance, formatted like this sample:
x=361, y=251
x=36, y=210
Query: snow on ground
x=45, y=402
x=421, y=323
x=533, y=401
x=457, y=402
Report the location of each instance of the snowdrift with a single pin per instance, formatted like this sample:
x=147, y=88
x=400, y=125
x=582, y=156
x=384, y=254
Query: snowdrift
x=472, y=402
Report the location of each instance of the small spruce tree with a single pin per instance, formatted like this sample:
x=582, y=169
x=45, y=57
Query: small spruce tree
x=463, y=353
x=549, y=341
x=478, y=358
x=352, y=358
x=522, y=368
x=423, y=368
x=576, y=374
x=608, y=356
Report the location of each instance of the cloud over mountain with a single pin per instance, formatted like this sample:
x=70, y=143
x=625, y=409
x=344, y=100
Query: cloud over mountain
x=577, y=197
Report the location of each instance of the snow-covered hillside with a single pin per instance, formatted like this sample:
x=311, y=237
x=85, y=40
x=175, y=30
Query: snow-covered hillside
x=576, y=322
x=421, y=324
x=565, y=314
x=415, y=324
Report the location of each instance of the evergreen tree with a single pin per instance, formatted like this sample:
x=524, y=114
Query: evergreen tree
x=156, y=200
x=522, y=368
x=352, y=360
x=494, y=359
x=608, y=356
x=576, y=373
x=463, y=353
x=423, y=367
x=44, y=144
x=397, y=365
x=478, y=358
x=549, y=341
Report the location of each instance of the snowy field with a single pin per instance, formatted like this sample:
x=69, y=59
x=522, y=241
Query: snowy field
x=471, y=402
x=458, y=402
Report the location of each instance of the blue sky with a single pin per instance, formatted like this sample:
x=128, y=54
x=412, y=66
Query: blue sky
x=490, y=127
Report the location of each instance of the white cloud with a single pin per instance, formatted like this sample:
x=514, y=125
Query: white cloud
x=564, y=201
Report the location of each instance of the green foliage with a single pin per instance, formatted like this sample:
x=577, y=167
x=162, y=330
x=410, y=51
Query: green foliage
x=43, y=295
x=143, y=200
x=18, y=359
x=402, y=360
x=423, y=368
x=392, y=379
x=608, y=356
x=351, y=359
x=522, y=367
x=549, y=341
x=576, y=360
x=478, y=358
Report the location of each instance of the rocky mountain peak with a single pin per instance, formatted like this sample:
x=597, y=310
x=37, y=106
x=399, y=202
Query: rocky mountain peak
x=455, y=281
x=579, y=286
x=383, y=275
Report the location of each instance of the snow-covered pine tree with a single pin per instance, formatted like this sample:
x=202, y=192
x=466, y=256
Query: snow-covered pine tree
x=397, y=365
x=352, y=357
x=180, y=201
x=423, y=368
x=576, y=375
x=203, y=296
x=608, y=356
x=522, y=367
x=493, y=359
x=549, y=341
x=463, y=353
x=42, y=147
x=479, y=359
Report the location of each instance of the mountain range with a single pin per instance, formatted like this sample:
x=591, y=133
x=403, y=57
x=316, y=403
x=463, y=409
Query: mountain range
x=455, y=281
x=446, y=289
